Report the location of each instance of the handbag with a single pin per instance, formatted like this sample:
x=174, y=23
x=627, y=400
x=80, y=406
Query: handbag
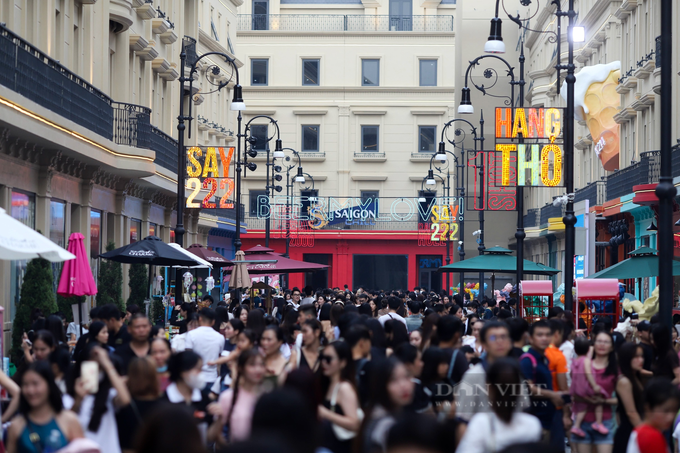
x=340, y=432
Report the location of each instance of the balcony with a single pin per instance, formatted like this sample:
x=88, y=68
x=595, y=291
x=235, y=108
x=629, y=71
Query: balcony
x=646, y=171
x=342, y=22
x=165, y=148
x=532, y=217
x=369, y=157
x=550, y=211
x=595, y=193
x=31, y=73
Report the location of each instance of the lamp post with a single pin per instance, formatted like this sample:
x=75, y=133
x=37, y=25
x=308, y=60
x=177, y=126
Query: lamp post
x=666, y=191
x=460, y=181
x=299, y=177
x=495, y=45
x=215, y=78
x=430, y=180
x=270, y=177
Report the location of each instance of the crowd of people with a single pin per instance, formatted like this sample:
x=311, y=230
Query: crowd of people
x=338, y=371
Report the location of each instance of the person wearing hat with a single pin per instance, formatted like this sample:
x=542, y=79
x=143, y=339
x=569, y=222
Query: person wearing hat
x=644, y=330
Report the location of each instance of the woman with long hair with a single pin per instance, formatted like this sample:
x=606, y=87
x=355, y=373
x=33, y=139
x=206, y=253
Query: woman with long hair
x=391, y=391
x=185, y=309
x=99, y=334
x=145, y=395
x=43, y=344
x=160, y=352
x=340, y=408
x=416, y=339
x=97, y=413
x=503, y=426
x=308, y=356
x=605, y=371
x=185, y=389
x=429, y=328
x=255, y=322
x=241, y=312
x=274, y=362
x=43, y=425
x=396, y=334
x=325, y=319
x=55, y=326
x=238, y=402
x=629, y=393
x=435, y=369
x=666, y=363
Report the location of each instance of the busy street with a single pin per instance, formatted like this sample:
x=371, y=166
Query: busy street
x=339, y=226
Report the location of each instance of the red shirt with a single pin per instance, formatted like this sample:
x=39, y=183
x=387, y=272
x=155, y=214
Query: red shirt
x=646, y=439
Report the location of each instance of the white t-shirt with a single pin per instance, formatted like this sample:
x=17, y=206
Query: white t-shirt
x=384, y=318
x=209, y=344
x=486, y=433
x=107, y=435
x=567, y=349
x=74, y=329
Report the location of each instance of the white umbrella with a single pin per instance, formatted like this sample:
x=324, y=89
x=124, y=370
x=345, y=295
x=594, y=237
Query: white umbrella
x=204, y=264
x=19, y=242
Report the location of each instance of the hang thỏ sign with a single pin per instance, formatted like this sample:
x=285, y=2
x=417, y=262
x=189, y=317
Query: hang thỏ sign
x=203, y=172
x=529, y=147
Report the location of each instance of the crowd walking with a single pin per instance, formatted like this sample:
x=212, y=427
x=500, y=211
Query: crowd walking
x=344, y=372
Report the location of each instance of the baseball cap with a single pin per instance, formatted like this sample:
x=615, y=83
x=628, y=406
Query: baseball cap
x=644, y=326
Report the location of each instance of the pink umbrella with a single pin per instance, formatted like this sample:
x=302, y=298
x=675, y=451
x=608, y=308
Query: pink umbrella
x=76, y=276
x=282, y=265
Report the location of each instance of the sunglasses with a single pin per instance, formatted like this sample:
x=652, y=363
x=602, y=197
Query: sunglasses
x=327, y=358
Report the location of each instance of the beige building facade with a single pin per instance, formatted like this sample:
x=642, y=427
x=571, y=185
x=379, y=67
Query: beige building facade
x=89, y=99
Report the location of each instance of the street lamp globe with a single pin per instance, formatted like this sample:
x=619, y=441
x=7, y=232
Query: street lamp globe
x=465, y=107
x=578, y=34
x=237, y=103
x=441, y=153
x=300, y=177
x=430, y=178
x=495, y=43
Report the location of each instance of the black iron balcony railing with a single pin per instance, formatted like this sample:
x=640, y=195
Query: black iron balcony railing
x=190, y=49
x=652, y=161
x=342, y=22
x=595, y=193
x=621, y=183
x=531, y=217
x=36, y=76
x=131, y=124
x=550, y=211
x=165, y=148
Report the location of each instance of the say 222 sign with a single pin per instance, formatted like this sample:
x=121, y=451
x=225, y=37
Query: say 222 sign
x=203, y=173
x=444, y=223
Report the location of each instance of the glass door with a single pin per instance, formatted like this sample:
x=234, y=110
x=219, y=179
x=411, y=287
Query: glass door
x=260, y=15
x=401, y=15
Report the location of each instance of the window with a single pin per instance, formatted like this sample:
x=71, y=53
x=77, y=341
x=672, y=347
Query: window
x=259, y=70
x=370, y=73
x=135, y=230
x=95, y=233
x=427, y=136
x=58, y=222
x=310, y=139
x=260, y=132
x=369, y=139
x=310, y=72
x=256, y=201
x=428, y=73
x=152, y=229
x=23, y=208
x=368, y=194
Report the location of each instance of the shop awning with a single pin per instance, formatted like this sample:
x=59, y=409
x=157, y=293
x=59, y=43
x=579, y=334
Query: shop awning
x=600, y=289
x=500, y=261
x=537, y=288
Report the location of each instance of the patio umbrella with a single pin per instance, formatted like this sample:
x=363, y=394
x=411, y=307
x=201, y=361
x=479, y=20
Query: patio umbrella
x=202, y=264
x=76, y=276
x=213, y=258
x=281, y=266
x=643, y=262
x=240, y=279
x=152, y=251
x=498, y=260
x=19, y=242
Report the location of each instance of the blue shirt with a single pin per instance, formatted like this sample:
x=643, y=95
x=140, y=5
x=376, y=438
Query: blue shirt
x=540, y=375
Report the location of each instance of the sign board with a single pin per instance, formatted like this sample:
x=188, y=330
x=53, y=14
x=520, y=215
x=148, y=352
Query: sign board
x=203, y=171
x=529, y=142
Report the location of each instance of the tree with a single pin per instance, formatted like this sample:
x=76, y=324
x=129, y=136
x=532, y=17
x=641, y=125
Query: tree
x=37, y=291
x=139, y=281
x=110, y=285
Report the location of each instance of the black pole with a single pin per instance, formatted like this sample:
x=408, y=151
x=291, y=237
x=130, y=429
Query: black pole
x=288, y=187
x=481, y=247
x=181, y=160
x=520, y=234
x=448, y=235
x=461, y=247
x=267, y=221
x=666, y=190
x=237, y=170
x=569, y=218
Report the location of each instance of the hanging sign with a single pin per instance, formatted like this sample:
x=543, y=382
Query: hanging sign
x=529, y=146
x=207, y=170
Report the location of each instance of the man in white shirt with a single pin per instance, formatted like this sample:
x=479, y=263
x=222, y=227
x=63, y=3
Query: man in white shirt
x=208, y=343
x=393, y=304
x=309, y=296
